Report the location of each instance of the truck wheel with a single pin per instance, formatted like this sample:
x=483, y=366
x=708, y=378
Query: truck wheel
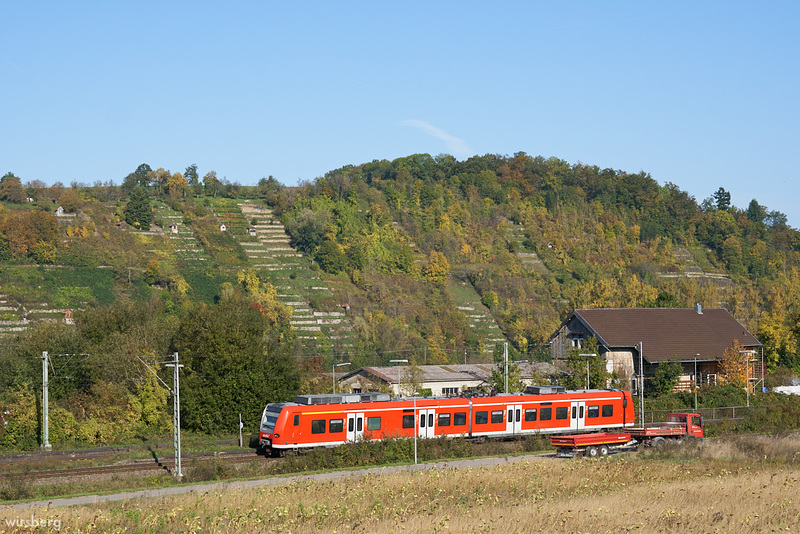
x=603, y=450
x=592, y=452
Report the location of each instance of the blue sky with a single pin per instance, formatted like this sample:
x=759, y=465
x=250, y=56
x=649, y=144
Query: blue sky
x=701, y=94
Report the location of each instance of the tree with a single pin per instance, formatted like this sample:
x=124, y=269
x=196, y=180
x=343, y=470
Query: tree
x=733, y=364
x=11, y=188
x=141, y=176
x=211, y=183
x=756, y=212
x=667, y=374
x=138, y=212
x=577, y=367
x=722, y=199
x=437, y=268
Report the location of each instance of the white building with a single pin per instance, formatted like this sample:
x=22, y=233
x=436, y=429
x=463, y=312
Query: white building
x=441, y=380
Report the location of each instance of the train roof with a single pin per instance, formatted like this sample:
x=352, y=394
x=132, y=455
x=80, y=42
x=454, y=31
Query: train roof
x=351, y=398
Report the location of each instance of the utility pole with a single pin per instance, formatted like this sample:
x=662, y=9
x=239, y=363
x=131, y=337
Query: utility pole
x=45, y=406
x=641, y=385
x=176, y=413
x=505, y=365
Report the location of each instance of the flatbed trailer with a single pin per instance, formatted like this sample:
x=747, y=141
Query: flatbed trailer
x=591, y=445
x=679, y=425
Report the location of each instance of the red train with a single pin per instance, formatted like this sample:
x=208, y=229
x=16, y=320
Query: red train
x=330, y=420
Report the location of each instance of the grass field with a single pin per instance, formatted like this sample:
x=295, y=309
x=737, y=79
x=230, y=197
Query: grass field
x=732, y=485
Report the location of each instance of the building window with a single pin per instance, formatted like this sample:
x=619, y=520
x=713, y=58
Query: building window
x=449, y=391
x=356, y=390
x=577, y=342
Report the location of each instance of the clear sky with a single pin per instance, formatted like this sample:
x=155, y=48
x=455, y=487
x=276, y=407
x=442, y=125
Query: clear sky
x=701, y=94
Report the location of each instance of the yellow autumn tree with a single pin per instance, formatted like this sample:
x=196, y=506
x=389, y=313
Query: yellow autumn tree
x=733, y=364
x=437, y=268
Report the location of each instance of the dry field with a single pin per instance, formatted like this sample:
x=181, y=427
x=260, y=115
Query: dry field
x=741, y=485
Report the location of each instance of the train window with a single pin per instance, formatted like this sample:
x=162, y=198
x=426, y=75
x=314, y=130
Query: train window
x=318, y=426
x=460, y=418
x=562, y=412
x=335, y=426
x=519, y=415
x=546, y=414
x=408, y=421
x=350, y=423
x=497, y=416
x=430, y=420
x=359, y=424
x=373, y=423
x=422, y=421
x=297, y=420
x=608, y=410
x=444, y=419
x=530, y=414
x=592, y=411
x=574, y=412
x=481, y=418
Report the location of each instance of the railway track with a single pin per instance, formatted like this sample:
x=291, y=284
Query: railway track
x=165, y=464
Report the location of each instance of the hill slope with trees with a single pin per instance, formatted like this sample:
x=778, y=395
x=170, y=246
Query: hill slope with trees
x=423, y=258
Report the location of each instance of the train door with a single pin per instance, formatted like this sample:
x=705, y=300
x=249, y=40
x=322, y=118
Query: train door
x=426, y=422
x=514, y=419
x=577, y=415
x=355, y=427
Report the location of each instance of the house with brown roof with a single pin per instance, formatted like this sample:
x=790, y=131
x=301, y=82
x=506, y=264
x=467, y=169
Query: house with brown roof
x=694, y=337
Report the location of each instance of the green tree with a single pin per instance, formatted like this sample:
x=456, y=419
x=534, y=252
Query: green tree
x=138, y=212
x=577, y=367
x=666, y=377
x=756, y=212
x=11, y=189
x=722, y=199
x=237, y=360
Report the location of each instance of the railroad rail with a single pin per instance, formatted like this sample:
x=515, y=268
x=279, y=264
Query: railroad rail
x=167, y=463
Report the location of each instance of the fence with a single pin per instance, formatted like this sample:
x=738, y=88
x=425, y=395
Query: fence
x=709, y=414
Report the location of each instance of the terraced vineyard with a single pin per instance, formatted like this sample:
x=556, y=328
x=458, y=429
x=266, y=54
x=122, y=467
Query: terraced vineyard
x=320, y=321
x=479, y=317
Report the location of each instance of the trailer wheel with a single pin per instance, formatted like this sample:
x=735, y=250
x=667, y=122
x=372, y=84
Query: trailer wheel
x=658, y=441
x=592, y=452
x=603, y=450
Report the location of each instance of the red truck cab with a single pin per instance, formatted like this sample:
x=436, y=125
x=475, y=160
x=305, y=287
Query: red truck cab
x=692, y=423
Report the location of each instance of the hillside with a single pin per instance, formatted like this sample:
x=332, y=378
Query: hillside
x=421, y=258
